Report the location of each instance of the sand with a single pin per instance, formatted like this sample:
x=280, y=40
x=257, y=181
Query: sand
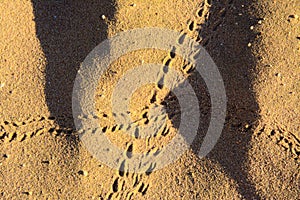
x=255, y=45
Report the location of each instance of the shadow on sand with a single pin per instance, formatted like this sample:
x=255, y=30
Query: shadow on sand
x=228, y=46
x=69, y=30
x=227, y=35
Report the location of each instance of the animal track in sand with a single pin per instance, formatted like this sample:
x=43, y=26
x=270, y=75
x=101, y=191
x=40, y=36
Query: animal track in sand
x=286, y=139
x=20, y=131
x=121, y=182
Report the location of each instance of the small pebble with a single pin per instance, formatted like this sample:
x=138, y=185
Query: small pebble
x=269, y=65
x=83, y=173
x=249, y=44
x=294, y=16
x=28, y=193
x=133, y=5
x=251, y=27
x=103, y=17
x=45, y=162
x=278, y=74
x=5, y=156
x=259, y=22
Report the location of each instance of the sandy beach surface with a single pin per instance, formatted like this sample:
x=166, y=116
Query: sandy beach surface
x=254, y=43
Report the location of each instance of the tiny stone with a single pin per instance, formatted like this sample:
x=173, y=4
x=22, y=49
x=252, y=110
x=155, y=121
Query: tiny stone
x=27, y=193
x=259, y=22
x=84, y=173
x=103, y=17
x=278, y=74
x=294, y=16
x=249, y=44
x=133, y=5
x=5, y=156
x=251, y=27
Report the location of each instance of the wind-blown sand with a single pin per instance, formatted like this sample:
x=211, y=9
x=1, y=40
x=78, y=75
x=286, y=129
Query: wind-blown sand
x=255, y=45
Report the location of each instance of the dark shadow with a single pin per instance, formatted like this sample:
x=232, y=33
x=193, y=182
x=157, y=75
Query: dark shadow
x=229, y=35
x=226, y=36
x=68, y=30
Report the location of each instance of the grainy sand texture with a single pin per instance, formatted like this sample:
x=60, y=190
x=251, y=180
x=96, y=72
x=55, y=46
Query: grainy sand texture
x=254, y=43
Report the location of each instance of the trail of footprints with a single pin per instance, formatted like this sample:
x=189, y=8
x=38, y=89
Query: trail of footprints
x=14, y=131
x=206, y=30
x=125, y=184
x=287, y=140
x=20, y=131
x=121, y=187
